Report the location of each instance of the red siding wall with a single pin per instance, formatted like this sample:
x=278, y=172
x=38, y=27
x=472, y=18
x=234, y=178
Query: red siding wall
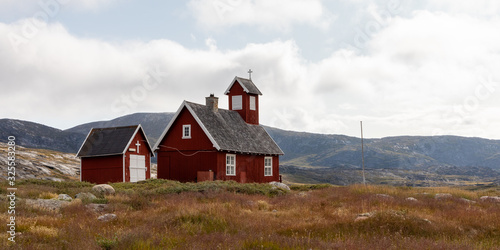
x=102, y=169
x=249, y=168
x=175, y=166
x=249, y=116
x=143, y=150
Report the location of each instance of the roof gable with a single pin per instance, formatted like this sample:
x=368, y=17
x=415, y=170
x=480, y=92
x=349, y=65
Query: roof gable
x=172, y=121
x=110, y=141
x=228, y=131
x=247, y=85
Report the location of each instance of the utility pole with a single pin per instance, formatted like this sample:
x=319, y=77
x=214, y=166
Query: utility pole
x=362, y=153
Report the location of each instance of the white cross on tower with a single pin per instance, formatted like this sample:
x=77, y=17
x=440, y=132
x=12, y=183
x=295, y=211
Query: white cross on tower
x=250, y=74
x=138, y=145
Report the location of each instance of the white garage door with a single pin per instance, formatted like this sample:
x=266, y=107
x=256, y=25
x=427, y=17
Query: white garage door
x=137, y=168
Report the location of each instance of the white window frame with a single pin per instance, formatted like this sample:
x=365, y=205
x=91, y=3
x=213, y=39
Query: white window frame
x=253, y=105
x=230, y=165
x=188, y=127
x=268, y=169
x=237, y=102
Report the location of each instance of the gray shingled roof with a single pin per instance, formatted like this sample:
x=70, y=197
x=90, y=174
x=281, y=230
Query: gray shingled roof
x=231, y=133
x=247, y=85
x=107, y=141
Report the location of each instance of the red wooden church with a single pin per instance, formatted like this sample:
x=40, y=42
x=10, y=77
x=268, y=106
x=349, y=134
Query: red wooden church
x=118, y=154
x=204, y=142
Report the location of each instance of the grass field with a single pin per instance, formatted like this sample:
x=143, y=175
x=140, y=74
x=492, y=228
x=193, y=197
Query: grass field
x=160, y=214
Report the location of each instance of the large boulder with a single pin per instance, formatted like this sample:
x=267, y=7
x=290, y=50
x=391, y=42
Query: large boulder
x=443, y=196
x=47, y=204
x=280, y=185
x=85, y=196
x=98, y=208
x=103, y=189
x=64, y=197
x=491, y=198
x=107, y=217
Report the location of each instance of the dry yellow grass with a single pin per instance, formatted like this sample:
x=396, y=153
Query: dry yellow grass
x=47, y=195
x=230, y=216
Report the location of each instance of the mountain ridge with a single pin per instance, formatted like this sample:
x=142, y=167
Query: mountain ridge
x=337, y=156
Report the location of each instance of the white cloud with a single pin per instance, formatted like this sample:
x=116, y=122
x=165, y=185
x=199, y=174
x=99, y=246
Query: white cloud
x=267, y=15
x=28, y=8
x=424, y=74
x=477, y=7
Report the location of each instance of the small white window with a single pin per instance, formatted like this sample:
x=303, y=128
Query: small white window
x=252, y=102
x=268, y=166
x=186, y=131
x=230, y=164
x=237, y=102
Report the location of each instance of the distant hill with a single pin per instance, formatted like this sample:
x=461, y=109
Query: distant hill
x=152, y=123
x=402, y=152
x=34, y=135
x=311, y=157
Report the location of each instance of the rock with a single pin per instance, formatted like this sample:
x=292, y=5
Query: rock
x=103, y=189
x=360, y=218
x=275, y=211
x=363, y=216
x=47, y=204
x=384, y=196
x=250, y=203
x=64, y=197
x=85, y=196
x=411, y=199
x=107, y=217
x=302, y=194
x=467, y=201
x=51, y=179
x=490, y=198
x=442, y=196
x=280, y=185
x=98, y=208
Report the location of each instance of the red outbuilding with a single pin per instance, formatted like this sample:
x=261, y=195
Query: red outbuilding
x=118, y=154
x=204, y=142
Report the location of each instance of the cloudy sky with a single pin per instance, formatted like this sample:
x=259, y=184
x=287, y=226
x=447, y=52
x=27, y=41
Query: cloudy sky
x=402, y=67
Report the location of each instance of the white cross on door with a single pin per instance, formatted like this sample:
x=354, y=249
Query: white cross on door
x=138, y=145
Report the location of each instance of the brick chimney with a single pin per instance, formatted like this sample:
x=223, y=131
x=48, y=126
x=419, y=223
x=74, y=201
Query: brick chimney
x=212, y=102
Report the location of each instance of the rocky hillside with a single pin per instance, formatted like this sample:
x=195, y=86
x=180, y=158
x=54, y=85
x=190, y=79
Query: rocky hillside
x=41, y=164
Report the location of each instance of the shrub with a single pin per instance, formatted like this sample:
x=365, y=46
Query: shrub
x=201, y=222
x=258, y=244
x=100, y=200
x=307, y=187
x=106, y=243
x=47, y=195
x=262, y=205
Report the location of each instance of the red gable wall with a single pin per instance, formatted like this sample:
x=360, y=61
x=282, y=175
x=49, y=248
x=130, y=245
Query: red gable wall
x=197, y=153
x=143, y=150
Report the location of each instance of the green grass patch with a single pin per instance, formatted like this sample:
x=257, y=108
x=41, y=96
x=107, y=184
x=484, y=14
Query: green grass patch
x=160, y=186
